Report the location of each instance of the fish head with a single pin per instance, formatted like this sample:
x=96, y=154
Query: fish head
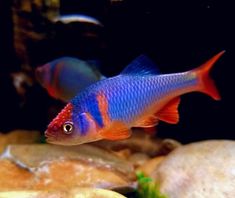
x=42, y=74
x=45, y=76
x=67, y=129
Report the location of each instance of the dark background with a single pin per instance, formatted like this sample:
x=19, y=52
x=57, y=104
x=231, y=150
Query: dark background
x=177, y=35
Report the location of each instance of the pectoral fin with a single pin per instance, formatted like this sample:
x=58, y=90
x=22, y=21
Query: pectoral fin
x=116, y=131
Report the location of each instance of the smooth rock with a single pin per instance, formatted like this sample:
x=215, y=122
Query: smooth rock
x=51, y=167
x=199, y=170
x=150, y=165
x=74, y=193
x=33, y=155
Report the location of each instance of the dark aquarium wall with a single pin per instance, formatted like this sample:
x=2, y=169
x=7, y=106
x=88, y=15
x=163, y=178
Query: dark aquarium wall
x=176, y=35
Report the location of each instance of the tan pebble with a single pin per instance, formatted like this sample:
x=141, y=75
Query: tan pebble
x=149, y=166
x=138, y=159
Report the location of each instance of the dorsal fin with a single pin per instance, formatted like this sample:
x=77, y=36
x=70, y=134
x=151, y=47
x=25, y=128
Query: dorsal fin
x=142, y=65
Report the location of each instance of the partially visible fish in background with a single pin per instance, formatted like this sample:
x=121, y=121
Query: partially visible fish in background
x=138, y=97
x=65, y=77
x=77, y=18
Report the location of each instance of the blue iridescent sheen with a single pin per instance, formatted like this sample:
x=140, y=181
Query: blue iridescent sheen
x=93, y=109
x=130, y=96
x=83, y=123
x=90, y=105
x=52, y=71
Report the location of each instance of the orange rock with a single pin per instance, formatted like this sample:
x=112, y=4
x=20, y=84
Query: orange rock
x=49, y=167
x=13, y=177
x=67, y=174
x=32, y=155
x=18, y=137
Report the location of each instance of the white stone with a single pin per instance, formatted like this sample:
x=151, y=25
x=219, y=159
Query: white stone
x=199, y=170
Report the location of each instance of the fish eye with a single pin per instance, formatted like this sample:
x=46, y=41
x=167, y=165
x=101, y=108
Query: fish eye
x=68, y=127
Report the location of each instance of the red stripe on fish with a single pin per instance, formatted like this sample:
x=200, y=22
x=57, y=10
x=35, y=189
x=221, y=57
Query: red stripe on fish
x=103, y=107
x=112, y=130
x=55, y=81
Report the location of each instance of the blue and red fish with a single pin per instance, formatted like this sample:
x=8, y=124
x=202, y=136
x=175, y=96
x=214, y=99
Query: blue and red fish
x=65, y=77
x=138, y=97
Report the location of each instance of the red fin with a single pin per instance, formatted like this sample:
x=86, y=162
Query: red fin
x=169, y=113
x=206, y=83
x=147, y=121
x=117, y=131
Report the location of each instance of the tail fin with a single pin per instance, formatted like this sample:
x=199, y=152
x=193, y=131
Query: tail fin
x=206, y=84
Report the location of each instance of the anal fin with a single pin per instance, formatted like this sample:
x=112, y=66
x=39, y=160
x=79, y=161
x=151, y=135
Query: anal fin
x=147, y=121
x=116, y=131
x=169, y=113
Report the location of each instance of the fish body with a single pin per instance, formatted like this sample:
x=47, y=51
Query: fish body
x=138, y=97
x=65, y=77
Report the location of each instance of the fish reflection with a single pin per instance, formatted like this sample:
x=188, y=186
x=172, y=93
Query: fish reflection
x=65, y=77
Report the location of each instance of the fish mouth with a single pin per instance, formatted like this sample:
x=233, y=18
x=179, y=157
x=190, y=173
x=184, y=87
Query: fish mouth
x=56, y=142
x=49, y=136
x=51, y=140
